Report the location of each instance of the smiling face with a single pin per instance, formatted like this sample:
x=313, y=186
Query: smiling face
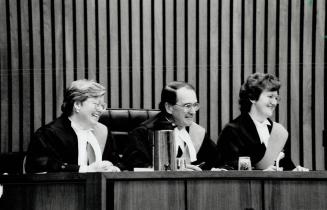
x=182, y=115
x=265, y=106
x=89, y=111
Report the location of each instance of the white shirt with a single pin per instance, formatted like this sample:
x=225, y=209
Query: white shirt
x=84, y=137
x=183, y=138
x=262, y=130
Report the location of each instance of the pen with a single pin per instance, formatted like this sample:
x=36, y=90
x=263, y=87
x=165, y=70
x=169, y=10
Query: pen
x=201, y=164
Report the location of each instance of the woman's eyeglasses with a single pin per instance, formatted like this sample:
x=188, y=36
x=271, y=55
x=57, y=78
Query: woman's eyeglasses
x=275, y=97
x=101, y=106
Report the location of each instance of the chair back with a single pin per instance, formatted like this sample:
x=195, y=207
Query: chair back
x=122, y=121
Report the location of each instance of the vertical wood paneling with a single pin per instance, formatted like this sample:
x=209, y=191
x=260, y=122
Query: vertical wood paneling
x=4, y=77
x=13, y=77
x=59, y=60
x=248, y=38
x=158, y=51
x=283, y=65
x=80, y=39
x=47, y=63
x=37, y=76
x=260, y=36
x=203, y=67
x=125, y=58
x=180, y=39
x=169, y=40
x=307, y=85
x=90, y=39
x=320, y=107
x=191, y=42
x=225, y=61
x=134, y=47
x=136, y=58
x=68, y=42
x=213, y=69
x=271, y=37
x=147, y=54
x=113, y=42
x=25, y=105
x=236, y=66
x=103, y=42
x=294, y=100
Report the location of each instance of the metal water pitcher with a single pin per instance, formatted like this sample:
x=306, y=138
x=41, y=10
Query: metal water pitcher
x=164, y=154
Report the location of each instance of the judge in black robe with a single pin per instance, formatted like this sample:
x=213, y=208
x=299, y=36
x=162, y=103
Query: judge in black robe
x=178, y=108
x=138, y=154
x=240, y=138
x=62, y=145
x=249, y=133
x=54, y=148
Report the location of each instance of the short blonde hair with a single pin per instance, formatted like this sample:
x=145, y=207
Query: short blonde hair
x=80, y=90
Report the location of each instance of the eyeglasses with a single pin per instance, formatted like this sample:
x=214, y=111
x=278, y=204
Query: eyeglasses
x=277, y=98
x=101, y=106
x=187, y=107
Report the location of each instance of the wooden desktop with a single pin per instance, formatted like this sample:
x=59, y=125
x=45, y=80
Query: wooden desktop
x=166, y=190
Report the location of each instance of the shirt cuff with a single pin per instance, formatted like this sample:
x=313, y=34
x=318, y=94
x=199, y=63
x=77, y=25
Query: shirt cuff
x=83, y=169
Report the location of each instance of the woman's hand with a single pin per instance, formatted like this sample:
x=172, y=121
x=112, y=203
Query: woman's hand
x=113, y=169
x=107, y=166
x=273, y=168
x=189, y=167
x=219, y=169
x=102, y=166
x=300, y=168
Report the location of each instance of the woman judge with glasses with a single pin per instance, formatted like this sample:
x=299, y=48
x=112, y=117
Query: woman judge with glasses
x=75, y=141
x=252, y=133
x=178, y=107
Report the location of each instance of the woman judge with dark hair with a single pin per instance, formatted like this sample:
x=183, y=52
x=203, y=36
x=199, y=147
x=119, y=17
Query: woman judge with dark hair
x=76, y=141
x=253, y=133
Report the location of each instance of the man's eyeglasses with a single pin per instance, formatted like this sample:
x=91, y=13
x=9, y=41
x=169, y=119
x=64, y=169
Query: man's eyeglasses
x=187, y=107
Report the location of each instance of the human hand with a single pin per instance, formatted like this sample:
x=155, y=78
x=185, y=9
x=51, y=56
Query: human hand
x=300, y=168
x=273, y=168
x=113, y=169
x=219, y=169
x=189, y=167
x=102, y=166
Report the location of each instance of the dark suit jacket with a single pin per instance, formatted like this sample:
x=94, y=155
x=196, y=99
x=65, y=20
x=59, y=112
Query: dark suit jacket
x=139, y=150
x=54, y=147
x=240, y=138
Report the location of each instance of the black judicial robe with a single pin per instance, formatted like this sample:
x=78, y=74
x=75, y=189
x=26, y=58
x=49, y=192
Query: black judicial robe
x=54, y=147
x=139, y=150
x=240, y=138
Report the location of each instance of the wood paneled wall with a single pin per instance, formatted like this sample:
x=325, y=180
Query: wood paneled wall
x=134, y=47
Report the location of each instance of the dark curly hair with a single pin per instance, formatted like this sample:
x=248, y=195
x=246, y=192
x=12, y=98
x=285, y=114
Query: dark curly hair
x=252, y=88
x=80, y=90
x=168, y=93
